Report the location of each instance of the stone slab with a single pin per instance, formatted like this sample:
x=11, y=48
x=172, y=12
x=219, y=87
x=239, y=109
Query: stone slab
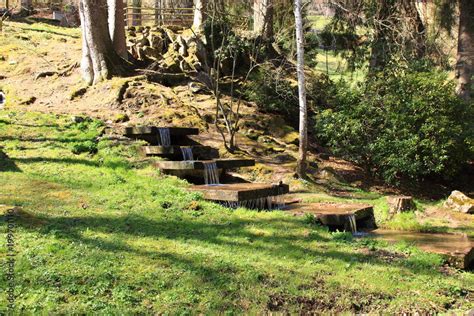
x=199, y=165
x=457, y=248
x=334, y=214
x=154, y=130
x=238, y=192
x=199, y=152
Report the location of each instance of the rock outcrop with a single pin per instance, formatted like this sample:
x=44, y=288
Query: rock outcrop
x=171, y=52
x=460, y=202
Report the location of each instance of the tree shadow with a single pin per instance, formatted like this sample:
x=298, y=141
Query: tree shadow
x=7, y=164
x=65, y=161
x=233, y=234
x=33, y=20
x=43, y=139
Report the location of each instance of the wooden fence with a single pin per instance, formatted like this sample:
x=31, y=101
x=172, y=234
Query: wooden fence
x=135, y=16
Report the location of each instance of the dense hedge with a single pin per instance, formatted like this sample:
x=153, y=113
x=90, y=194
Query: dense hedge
x=400, y=124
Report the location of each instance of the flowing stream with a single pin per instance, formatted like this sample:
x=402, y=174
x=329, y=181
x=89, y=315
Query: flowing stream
x=211, y=173
x=264, y=203
x=352, y=224
x=187, y=153
x=165, y=137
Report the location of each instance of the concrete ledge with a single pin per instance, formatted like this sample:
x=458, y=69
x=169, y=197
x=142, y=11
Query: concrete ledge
x=154, y=130
x=199, y=165
x=238, y=192
x=336, y=215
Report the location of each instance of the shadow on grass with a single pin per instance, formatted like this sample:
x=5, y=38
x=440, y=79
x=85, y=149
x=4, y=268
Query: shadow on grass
x=43, y=139
x=59, y=161
x=7, y=164
x=234, y=235
x=31, y=20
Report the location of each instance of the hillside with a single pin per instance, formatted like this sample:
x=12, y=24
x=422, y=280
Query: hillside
x=98, y=229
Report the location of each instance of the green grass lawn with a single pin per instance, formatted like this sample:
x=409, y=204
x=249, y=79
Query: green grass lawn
x=105, y=233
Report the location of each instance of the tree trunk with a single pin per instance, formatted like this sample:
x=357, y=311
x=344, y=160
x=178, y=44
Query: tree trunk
x=379, y=53
x=99, y=59
x=137, y=11
x=301, y=168
x=26, y=5
x=200, y=7
x=116, y=11
x=263, y=18
x=158, y=7
x=465, y=57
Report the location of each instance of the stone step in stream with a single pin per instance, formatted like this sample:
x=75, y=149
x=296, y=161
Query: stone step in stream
x=195, y=152
x=251, y=195
x=161, y=136
x=337, y=216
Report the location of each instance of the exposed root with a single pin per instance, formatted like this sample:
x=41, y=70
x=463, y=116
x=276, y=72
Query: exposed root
x=65, y=72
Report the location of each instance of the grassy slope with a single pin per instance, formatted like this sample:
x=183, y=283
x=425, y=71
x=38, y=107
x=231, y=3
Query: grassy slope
x=106, y=233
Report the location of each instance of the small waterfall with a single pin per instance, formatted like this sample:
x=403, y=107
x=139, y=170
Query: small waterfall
x=211, y=173
x=165, y=137
x=352, y=223
x=264, y=203
x=187, y=153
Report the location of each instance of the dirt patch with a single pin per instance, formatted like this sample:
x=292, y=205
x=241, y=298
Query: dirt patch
x=328, y=299
x=384, y=255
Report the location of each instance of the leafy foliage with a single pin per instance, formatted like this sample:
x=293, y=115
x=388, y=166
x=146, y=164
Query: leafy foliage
x=400, y=124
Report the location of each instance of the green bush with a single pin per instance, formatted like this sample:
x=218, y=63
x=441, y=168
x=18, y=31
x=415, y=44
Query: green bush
x=399, y=125
x=274, y=89
x=87, y=146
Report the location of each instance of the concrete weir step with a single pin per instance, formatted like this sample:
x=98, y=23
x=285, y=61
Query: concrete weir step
x=238, y=192
x=155, y=130
x=200, y=164
x=337, y=215
x=458, y=249
x=199, y=152
x=153, y=134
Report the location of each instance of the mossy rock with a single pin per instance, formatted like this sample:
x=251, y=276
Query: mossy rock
x=121, y=118
x=291, y=138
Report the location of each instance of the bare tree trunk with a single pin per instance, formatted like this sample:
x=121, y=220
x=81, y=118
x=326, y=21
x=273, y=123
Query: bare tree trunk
x=116, y=11
x=465, y=58
x=158, y=8
x=26, y=5
x=137, y=11
x=263, y=18
x=379, y=53
x=99, y=59
x=301, y=168
x=200, y=7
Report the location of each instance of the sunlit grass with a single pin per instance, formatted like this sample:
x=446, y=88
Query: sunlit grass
x=102, y=233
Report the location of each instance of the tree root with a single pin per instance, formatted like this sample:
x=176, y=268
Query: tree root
x=125, y=85
x=65, y=72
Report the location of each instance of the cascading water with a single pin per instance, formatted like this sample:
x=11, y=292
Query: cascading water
x=352, y=223
x=211, y=173
x=187, y=153
x=165, y=137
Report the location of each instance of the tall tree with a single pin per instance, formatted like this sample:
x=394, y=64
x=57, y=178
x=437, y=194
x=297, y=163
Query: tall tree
x=465, y=57
x=200, y=7
x=116, y=11
x=99, y=58
x=263, y=18
x=301, y=168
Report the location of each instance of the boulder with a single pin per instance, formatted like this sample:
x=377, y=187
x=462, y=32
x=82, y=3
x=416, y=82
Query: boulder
x=400, y=204
x=460, y=202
